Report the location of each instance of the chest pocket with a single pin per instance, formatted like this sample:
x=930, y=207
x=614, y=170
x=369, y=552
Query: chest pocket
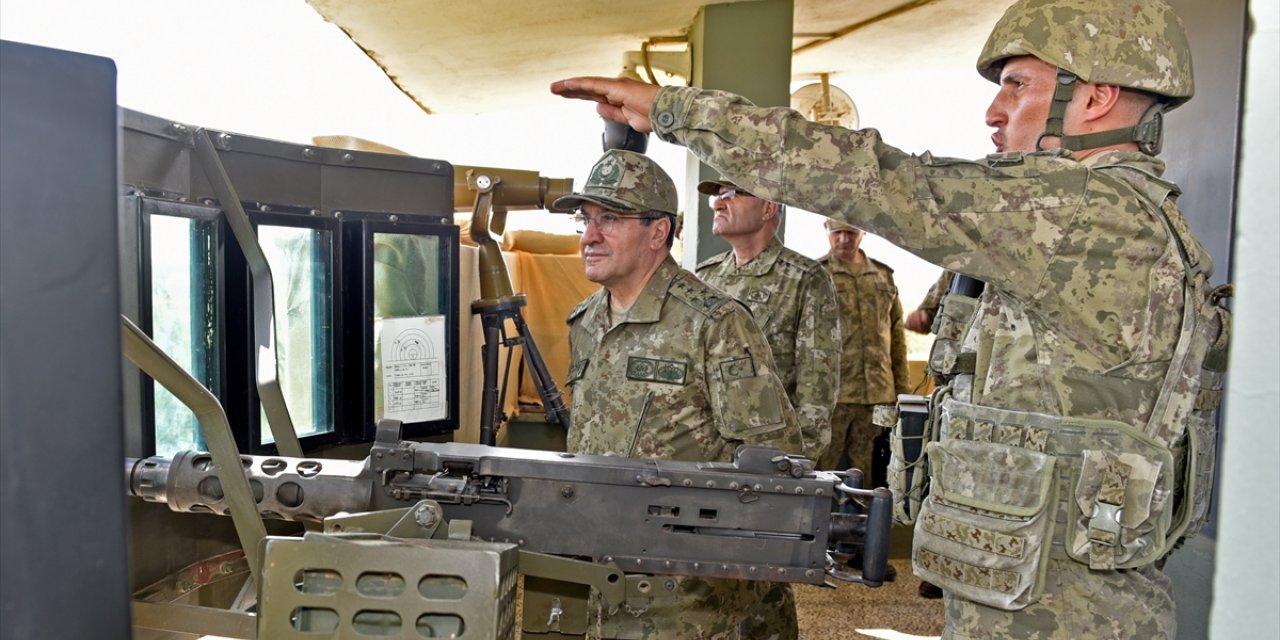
x=885, y=294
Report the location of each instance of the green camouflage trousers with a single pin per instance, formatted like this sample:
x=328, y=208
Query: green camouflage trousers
x=851, y=439
x=701, y=609
x=1077, y=603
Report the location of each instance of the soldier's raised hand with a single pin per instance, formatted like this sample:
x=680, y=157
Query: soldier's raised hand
x=618, y=99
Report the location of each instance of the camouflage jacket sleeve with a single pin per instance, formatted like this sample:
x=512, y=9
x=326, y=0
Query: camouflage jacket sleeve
x=817, y=364
x=931, y=206
x=748, y=400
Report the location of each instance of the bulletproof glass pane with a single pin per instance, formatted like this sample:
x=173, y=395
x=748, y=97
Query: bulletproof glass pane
x=410, y=335
x=183, y=319
x=301, y=273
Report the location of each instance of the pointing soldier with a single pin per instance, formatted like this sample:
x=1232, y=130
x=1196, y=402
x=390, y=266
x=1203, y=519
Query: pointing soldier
x=1080, y=451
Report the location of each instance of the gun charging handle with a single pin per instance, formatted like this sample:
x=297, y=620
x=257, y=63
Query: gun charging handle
x=872, y=529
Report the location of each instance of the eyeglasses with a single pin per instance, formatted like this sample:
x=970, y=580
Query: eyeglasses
x=606, y=223
x=727, y=194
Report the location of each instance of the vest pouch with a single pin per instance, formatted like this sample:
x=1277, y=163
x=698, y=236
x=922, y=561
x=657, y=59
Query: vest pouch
x=945, y=356
x=985, y=530
x=907, y=473
x=1118, y=518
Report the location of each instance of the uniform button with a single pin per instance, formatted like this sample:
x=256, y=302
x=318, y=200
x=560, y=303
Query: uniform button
x=665, y=119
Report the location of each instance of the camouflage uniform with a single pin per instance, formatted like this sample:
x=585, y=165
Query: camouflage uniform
x=793, y=301
x=1087, y=263
x=683, y=374
x=873, y=362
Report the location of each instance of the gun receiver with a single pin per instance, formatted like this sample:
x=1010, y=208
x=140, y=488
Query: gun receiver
x=764, y=516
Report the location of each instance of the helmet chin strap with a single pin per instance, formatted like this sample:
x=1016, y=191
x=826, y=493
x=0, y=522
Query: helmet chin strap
x=1148, y=133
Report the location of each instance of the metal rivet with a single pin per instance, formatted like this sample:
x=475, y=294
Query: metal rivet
x=394, y=218
x=687, y=482
x=348, y=158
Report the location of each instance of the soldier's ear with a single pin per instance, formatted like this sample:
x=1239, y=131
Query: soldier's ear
x=1099, y=100
x=659, y=230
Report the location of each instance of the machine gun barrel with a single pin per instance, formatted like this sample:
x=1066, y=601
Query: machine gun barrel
x=764, y=516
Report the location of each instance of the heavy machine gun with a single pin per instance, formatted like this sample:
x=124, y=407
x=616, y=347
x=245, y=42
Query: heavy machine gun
x=571, y=522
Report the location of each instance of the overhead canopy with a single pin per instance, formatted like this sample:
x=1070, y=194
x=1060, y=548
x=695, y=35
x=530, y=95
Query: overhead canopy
x=481, y=56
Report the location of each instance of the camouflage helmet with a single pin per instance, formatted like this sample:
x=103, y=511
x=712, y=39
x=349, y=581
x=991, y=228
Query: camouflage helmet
x=1138, y=44
x=626, y=182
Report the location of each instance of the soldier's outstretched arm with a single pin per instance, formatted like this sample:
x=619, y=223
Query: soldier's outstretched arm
x=618, y=99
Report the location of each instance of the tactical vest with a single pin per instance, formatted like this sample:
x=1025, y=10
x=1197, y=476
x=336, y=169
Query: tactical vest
x=1008, y=489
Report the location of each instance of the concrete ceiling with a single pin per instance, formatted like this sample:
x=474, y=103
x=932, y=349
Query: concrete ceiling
x=478, y=56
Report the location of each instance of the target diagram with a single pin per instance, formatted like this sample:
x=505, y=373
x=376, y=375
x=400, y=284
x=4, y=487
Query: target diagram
x=413, y=385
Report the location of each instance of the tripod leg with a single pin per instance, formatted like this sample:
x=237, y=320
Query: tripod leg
x=552, y=401
x=489, y=395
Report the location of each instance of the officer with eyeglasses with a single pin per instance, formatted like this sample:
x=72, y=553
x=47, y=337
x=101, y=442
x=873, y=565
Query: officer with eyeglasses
x=790, y=296
x=664, y=366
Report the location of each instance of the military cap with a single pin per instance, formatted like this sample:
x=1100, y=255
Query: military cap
x=626, y=182
x=834, y=225
x=712, y=187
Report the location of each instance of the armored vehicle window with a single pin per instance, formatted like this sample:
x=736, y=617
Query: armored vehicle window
x=184, y=318
x=301, y=262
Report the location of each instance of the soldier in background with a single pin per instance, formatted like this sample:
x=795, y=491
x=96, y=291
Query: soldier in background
x=664, y=366
x=873, y=360
x=791, y=298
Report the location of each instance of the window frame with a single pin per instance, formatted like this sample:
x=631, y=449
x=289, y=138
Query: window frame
x=358, y=231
